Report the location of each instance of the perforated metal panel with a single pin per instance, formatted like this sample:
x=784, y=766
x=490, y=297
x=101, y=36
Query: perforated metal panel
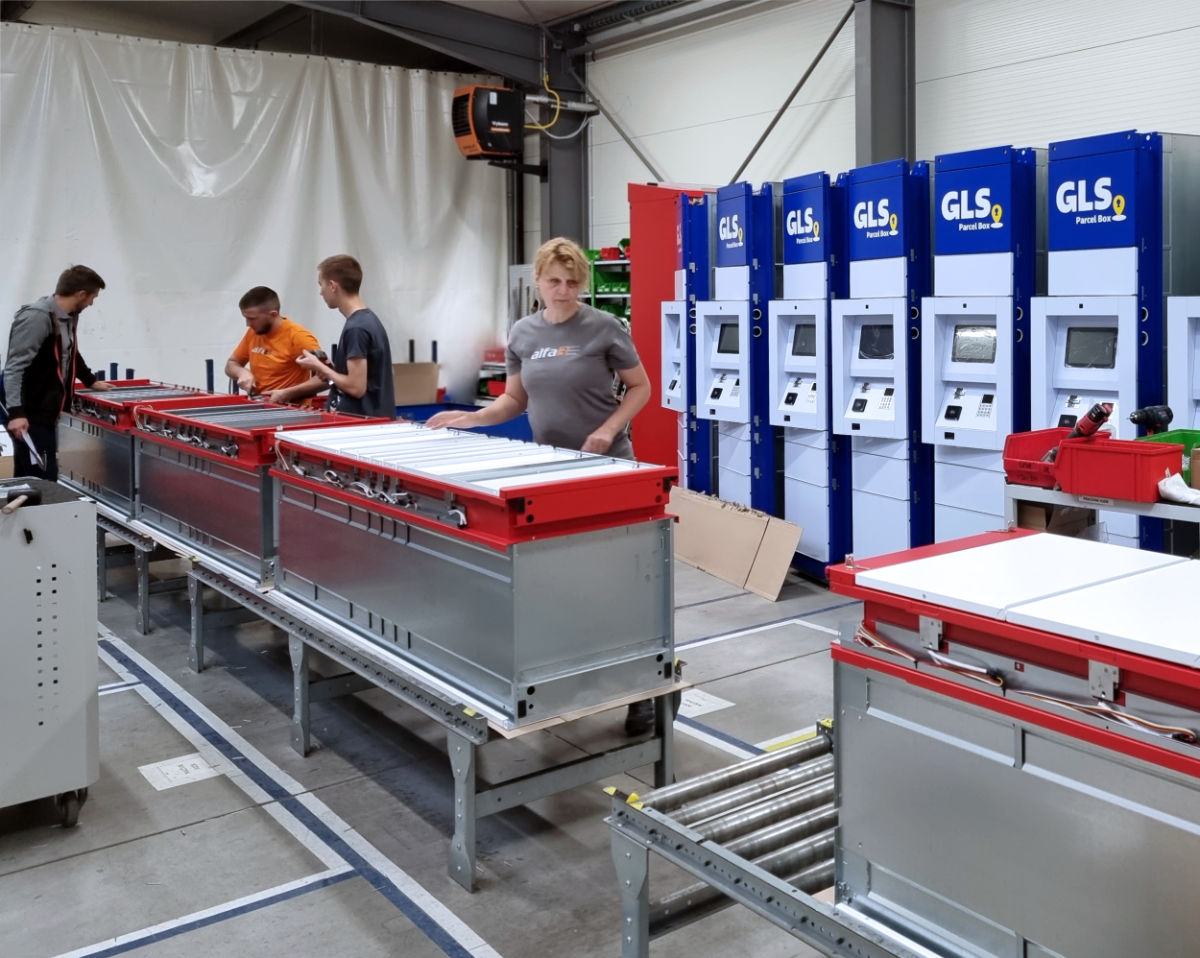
x=49, y=726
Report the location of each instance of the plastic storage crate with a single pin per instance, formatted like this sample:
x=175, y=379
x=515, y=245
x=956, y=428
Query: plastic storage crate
x=1116, y=468
x=1023, y=452
x=1187, y=437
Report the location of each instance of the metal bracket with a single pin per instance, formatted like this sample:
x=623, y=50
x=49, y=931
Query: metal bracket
x=931, y=633
x=1103, y=680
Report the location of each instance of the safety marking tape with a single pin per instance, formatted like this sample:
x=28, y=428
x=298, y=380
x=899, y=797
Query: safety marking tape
x=304, y=816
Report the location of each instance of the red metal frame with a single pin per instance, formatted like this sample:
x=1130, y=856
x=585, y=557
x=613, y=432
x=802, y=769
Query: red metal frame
x=1140, y=674
x=1030, y=715
x=125, y=409
x=255, y=446
x=501, y=519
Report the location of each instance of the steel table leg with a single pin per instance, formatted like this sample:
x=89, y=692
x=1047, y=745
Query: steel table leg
x=301, y=728
x=141, y=559
x=632, y=859
x=664, y=729
x=196, y=644
x=462, y=845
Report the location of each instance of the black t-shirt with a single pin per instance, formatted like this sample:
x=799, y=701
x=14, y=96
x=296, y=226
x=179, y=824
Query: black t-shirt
x=364, y=336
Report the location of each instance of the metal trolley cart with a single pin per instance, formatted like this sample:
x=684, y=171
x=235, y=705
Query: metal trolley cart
x=49, y=705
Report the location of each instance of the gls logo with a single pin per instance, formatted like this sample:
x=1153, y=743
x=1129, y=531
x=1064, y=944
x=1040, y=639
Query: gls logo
x=956, y=205
x=728, y=229
x=802, y=223
x=869, y=215
x=1073, y=196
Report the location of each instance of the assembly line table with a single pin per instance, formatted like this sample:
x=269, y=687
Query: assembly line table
x=468, y=727
x=145, y=550
x=468, y=724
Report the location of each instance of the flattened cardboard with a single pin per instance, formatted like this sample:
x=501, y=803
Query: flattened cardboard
x=7, y=464
x=1071, y=521
x=415, y=384
x=742, y=546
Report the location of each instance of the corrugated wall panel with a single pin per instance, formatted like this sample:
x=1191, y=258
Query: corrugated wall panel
x=1029, y=73
x=697, y=103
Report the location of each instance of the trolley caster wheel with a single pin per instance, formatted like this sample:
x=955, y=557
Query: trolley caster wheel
x=68, y=804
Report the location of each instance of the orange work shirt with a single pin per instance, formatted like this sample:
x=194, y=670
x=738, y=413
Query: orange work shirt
x=272, y=357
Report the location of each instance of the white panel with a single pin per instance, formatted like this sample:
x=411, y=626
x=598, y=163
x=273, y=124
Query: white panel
x=950, y=523
x=979, y=490
x=880, y=525
x=806, y=463
x=733, y=486
x=1115, y=614
x=731, y=282
x=1183, y=360
x=878, y=278
x=1092, y=272
x=805, y=281
x=990, y=579
x=808, y=438
x=879, y=476
x=808, y=507
x=973, y=274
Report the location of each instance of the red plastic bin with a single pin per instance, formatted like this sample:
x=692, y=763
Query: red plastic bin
x=1116, y=468
x=1023, y=452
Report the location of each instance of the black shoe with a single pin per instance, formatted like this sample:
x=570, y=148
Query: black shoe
x=640, y=718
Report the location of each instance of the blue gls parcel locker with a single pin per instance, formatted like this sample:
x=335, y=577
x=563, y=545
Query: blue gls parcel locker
x=731, y=345
x=816, y=463
x=876, y=357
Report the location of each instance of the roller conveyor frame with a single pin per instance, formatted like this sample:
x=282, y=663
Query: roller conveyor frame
x=777, y=882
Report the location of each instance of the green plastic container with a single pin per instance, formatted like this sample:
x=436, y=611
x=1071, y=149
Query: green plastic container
x=1187, y=438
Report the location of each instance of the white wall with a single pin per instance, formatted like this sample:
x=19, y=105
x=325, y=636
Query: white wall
x=988, y=73
x=187, y=174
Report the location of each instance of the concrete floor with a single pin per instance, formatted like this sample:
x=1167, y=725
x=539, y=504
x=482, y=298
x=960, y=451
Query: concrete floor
x=344, y=852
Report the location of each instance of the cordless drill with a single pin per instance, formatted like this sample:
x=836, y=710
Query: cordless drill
x=1086, y=425
x=1154, y=418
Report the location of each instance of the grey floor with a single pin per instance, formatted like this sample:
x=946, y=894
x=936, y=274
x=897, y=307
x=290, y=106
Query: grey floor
x=344, y=852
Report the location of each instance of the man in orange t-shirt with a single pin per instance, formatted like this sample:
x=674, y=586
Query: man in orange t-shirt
x=264, y=362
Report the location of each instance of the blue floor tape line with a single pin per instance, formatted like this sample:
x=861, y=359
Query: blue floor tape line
x=185, y=927
x=386, y=887
x=718, y=734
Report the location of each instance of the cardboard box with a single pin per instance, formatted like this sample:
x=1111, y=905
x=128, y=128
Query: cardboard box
x=415, y=384
x=1071, y=521
x=745, y=547
x=7, y=464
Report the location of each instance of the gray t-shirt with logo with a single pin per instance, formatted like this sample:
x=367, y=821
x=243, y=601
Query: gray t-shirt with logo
x=567, y=371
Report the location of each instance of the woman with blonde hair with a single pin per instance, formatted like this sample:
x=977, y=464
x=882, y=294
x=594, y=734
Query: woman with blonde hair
x=561, y=361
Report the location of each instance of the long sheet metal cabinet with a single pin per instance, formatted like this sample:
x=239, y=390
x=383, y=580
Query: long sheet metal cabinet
x=49, y=704
x=534, y=581
x=95, y=440
x=1016, y=749
x=202, y=475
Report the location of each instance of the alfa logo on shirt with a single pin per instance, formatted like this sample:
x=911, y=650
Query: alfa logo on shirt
x=552, y=352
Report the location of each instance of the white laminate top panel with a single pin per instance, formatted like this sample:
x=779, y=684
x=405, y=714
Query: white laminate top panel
x=990, y=579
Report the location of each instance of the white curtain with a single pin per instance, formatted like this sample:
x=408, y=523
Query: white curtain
x=186, y=174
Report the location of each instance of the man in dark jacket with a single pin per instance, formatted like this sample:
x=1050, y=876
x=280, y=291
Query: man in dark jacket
x=43, y=364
